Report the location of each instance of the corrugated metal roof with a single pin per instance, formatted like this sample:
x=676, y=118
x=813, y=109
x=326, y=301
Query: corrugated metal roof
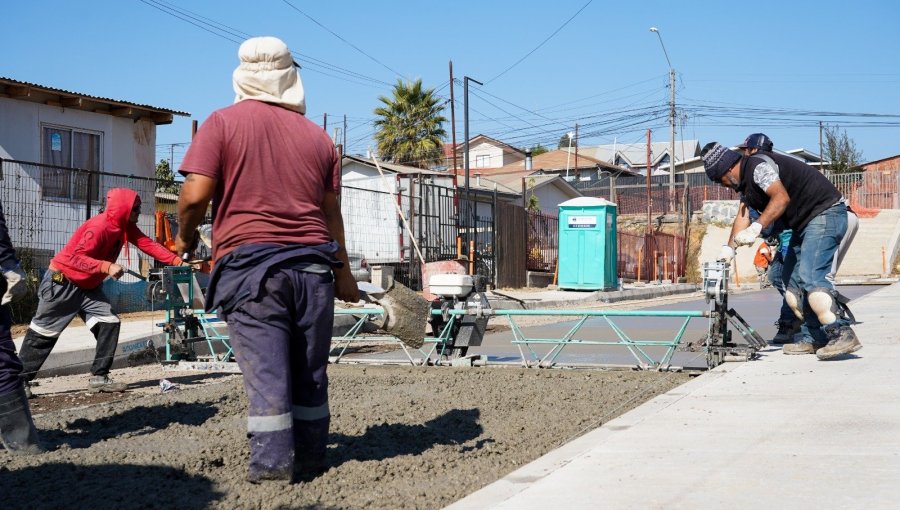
x=636, y=153
x=106, y=100
x=398, y=169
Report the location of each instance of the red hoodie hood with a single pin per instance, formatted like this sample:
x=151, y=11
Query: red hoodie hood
x=119, y=202
x=97, y=243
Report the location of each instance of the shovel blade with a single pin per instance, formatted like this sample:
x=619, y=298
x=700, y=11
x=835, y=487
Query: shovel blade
x=405, y=314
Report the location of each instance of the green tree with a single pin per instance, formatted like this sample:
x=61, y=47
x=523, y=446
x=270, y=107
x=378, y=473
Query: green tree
x=409, y=126
x=841, y=151
x=534, y=204
x=565, y=143
x=538, y=149
x=165, y=177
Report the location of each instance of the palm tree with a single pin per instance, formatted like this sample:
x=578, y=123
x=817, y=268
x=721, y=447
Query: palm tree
x=409, y=126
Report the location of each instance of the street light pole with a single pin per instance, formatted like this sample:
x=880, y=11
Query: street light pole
x=671, y=119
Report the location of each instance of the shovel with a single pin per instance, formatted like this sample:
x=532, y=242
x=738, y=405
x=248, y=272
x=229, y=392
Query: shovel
x=405, y=312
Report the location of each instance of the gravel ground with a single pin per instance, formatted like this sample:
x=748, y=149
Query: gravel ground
x=401, y=437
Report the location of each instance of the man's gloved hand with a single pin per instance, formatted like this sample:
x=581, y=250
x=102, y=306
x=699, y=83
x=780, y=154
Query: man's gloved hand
x=726, y=254
x=15, y=284
x=747, y=236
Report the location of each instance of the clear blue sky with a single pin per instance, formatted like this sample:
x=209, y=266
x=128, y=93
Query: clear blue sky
x=794, y=63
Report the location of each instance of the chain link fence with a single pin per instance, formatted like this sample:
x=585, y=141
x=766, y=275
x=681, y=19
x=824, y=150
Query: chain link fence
x=45, y=204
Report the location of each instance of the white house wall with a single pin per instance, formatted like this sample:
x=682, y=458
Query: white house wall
x=354, y=171
x=494, y=154
x=371, y=228
x=128, y=147
x=549, y=197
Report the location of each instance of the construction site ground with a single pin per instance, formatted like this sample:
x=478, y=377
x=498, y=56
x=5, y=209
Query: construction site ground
x=426, y=437
x=401, y=437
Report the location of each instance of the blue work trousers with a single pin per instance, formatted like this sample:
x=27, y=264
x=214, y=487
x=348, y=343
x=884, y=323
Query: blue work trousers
x=808, y=262
x=776, y=276
x=281, y=341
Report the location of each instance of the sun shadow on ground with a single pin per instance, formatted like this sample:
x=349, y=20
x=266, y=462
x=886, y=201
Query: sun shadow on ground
x=119, y=486
x=82, y=433
x=386, y=440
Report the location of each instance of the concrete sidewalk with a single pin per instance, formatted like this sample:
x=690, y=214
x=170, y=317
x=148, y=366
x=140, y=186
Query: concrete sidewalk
x=779, y=432
x=74, y=352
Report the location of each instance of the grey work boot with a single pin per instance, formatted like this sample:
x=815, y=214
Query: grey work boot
x=841, y=340
x=103, y=384
x=785, y=333
x=17, y=431
x=800, y=348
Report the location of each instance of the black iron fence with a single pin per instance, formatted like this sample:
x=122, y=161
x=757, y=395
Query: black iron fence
x=543, y=241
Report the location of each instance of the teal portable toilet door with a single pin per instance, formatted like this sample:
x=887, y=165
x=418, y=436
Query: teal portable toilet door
x=583, y=243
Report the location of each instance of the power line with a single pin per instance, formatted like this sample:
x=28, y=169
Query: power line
x=237, y=37
x=382, y=64
x=517, y=62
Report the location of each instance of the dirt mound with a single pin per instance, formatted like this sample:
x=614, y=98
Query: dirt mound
x=401, y=437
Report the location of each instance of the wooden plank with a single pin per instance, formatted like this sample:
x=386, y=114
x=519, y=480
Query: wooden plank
x=122, y=112
x=71, y=102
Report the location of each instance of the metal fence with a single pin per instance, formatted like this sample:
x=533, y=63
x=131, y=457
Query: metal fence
x=630, y=193
x=542, y=241
x=873, y=189
x=45, y=204
x=650, y=257
x=386, y=220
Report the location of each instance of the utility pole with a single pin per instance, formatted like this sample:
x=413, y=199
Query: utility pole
x=649, y=194
x=325, y=122
x=471, y=215
x=821, y=160
x=672, y=195
x=577, y=176
x=453, y=121
x=344, y=142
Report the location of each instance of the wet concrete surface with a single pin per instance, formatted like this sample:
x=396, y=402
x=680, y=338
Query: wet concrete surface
x=758, y=308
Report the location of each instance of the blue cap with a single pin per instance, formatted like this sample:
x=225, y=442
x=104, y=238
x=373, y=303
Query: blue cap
x=757, y=141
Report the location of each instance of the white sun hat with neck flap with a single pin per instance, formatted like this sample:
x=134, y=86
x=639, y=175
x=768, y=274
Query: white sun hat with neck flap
x=266, y=73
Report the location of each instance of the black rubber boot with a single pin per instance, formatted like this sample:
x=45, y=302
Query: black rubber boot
x=17, y=431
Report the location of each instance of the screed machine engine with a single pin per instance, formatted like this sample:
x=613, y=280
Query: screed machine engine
x=718, y=342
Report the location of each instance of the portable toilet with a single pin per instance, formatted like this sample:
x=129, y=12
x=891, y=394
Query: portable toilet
x=587, y=244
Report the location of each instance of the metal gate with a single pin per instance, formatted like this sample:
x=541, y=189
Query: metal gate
x=511, y=253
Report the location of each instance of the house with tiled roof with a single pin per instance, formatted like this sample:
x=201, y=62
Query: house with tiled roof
x=486, y=152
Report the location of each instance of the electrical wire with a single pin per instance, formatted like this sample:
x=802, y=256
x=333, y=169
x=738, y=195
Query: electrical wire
x=373, y=59
x=517, y=62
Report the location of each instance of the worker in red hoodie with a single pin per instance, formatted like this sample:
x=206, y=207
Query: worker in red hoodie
x=71, y=286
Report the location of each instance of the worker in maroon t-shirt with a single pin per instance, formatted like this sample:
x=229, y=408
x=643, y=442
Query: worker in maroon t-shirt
x=278, y=244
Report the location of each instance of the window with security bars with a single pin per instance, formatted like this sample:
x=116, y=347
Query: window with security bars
x=72, y=150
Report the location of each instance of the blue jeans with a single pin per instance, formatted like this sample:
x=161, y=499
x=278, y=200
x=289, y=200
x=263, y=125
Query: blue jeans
x=776, y=276
x=808, y=263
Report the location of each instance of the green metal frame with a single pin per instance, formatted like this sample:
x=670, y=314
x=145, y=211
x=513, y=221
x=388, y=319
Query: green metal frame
x=209, y=323
x=442, y=342
x=354, y=334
